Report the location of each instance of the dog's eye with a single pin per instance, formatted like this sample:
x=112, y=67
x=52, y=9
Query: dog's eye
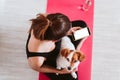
x=68, y=59
x=75, y=61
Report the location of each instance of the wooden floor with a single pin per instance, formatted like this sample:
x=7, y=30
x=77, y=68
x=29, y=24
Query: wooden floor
x=106, y=49
x=14, y=24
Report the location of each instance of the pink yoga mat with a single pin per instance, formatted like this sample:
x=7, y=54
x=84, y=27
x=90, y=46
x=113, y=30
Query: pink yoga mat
x=72, y=8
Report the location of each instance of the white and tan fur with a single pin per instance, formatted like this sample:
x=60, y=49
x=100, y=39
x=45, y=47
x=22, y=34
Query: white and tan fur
x=68, y=57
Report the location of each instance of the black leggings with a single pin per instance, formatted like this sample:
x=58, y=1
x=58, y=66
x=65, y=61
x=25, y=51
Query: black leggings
x=53, y=76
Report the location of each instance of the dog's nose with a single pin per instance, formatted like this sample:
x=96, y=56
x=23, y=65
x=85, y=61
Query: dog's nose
x=69, y=68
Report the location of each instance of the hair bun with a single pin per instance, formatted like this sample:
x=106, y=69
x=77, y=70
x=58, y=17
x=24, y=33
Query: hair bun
x=40, y=24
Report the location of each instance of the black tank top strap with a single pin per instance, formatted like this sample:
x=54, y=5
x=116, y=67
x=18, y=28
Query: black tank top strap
x=34, y=54
x=43, y=54
x=37, y=54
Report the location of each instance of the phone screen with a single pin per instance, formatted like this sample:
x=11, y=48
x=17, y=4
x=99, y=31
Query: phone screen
x=79, y=34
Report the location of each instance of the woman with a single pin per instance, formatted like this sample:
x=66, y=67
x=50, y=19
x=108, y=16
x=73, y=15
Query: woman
x=44, y=41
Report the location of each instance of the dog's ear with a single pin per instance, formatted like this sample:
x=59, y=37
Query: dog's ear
x=65, y=52
x=81, y=56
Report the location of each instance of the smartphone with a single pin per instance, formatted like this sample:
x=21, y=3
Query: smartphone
x=79, y=34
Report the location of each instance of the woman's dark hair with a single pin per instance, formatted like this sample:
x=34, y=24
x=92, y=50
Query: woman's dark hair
x=51, y=27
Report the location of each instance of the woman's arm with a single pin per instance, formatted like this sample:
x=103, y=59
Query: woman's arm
x=36, y=63
x=49, y=69
x=81, y=43
x=71, y=31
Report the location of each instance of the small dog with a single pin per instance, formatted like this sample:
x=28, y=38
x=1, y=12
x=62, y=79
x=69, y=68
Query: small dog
x=68, y=57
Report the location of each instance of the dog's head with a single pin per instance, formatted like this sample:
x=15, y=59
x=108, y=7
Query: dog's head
x=73, y=57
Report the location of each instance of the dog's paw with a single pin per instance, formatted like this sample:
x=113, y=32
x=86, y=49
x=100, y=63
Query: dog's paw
x=59, y=69
x=74, y=75
x=57, y=74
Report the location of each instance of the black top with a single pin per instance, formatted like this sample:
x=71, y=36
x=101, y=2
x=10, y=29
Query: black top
x=50, y=56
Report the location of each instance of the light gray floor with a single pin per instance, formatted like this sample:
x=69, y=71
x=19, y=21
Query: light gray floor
x=106, y=54
x=14, y=24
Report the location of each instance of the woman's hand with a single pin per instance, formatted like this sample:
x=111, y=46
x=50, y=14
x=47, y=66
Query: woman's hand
x=72, y=30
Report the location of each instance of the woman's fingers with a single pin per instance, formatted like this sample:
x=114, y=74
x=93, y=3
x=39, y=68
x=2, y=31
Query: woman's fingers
x=73, y=29
x=76, y=28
